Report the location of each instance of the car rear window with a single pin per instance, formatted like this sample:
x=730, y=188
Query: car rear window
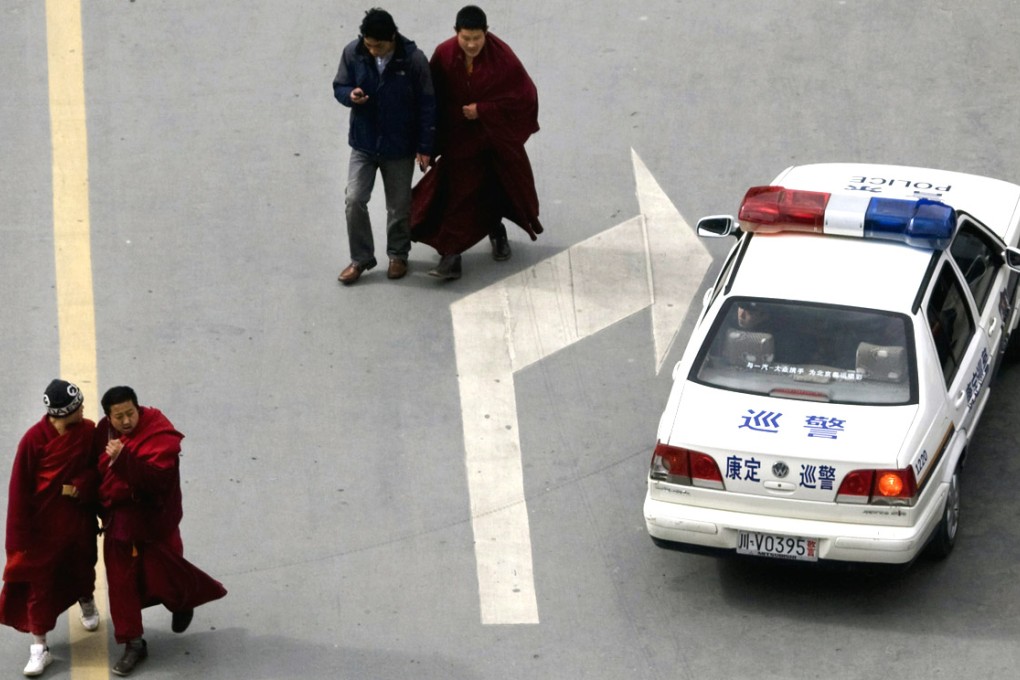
x=811, y=352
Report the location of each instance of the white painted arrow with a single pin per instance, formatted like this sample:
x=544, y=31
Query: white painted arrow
x=656, y=261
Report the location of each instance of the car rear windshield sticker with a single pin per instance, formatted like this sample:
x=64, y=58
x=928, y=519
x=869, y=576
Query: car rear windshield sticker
x=761, y=421
x=808, y=374
x=825, y=428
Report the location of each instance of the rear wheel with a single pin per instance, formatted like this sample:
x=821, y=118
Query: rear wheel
x=944, y=539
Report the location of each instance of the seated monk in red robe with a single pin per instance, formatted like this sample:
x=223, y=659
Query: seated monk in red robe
x=488, y=108
x=51, y=524
x=140, y=493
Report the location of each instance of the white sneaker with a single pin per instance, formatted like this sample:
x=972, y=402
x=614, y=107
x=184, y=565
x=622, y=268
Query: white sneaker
x=89, y=614
x=39, y=658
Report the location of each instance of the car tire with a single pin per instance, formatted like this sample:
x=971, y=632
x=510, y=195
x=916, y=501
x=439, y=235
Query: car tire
x=944, y=538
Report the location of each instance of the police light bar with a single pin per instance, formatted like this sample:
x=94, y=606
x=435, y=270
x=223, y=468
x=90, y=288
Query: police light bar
x=919, y=222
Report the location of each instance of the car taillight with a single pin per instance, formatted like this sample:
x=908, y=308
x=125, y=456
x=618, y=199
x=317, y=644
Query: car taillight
x=894, y=486
x=704, y=471
x=880, y=487
x=856, y=487
x=670, y=464
x=678, y=465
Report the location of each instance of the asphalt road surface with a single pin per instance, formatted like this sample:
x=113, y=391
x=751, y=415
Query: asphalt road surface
x=324, y=468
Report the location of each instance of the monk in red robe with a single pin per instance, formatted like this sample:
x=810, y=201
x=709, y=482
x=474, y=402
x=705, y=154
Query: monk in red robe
x=140, y=493
x=488, y=108
x=51, y=524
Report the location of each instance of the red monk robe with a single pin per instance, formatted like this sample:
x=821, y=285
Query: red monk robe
x=51, y=537
x=141, y=510
x=483, y=174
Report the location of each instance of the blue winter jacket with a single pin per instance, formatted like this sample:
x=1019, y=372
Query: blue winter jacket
x=399, y=118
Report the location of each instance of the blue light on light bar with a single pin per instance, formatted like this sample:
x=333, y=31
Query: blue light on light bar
x=922, y=223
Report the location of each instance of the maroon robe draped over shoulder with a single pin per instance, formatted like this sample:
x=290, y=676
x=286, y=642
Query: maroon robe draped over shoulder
x=51, y=537
x=482, y=173
x=141, y=509
x=141, y=492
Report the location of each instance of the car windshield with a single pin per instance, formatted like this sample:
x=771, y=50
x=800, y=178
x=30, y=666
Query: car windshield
x=811, y=352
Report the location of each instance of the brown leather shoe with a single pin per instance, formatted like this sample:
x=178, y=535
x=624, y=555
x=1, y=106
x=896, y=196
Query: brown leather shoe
x=398, y=268
x=353, y=272
x=135, y=652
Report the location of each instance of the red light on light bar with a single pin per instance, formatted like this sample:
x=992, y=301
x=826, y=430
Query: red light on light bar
x=770, y=209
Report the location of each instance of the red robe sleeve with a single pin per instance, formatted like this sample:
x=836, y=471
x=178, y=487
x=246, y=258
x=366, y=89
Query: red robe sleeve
x=151, y=466
x=21, y=491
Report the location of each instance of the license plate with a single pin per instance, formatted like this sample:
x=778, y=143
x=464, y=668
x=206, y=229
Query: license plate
x=781, y=547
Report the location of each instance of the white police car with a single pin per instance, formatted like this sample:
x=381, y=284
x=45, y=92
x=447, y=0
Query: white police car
x=824, y=403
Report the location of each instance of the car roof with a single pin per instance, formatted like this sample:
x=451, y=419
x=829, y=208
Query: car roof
x=831, y=269
x=992, y=201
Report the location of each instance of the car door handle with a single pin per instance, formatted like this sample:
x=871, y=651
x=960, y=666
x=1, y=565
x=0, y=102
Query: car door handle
x=961, y=398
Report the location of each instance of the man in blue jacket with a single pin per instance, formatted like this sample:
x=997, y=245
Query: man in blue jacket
x=385, y=80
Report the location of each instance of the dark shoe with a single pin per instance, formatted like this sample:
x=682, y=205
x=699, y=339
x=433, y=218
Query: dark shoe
x=353, y=271
x=135, y=652
x=448, y=268
x=180, y=621
x=500, y=244
x=398, y=268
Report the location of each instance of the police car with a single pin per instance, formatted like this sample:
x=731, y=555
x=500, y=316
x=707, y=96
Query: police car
x=842, y=359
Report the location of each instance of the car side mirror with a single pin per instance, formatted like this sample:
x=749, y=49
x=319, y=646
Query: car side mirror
x=718, y=225
x=1012, y=257
x=676, y=370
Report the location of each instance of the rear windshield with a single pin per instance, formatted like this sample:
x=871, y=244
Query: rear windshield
x=812, y=352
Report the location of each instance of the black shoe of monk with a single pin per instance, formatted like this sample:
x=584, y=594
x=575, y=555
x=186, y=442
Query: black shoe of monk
x=135, y=652
x=500, y=244
x=180, y=621
x=448, y=268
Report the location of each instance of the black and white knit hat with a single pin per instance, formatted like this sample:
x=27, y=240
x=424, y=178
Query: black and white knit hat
x=62, y=398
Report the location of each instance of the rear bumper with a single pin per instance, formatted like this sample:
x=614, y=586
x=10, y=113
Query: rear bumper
x=717, y=530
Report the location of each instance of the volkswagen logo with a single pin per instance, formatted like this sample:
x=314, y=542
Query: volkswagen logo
x=780, y=469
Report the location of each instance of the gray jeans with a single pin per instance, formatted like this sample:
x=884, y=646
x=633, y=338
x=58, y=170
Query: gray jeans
x=396, y=176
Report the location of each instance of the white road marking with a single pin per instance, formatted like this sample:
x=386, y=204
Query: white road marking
x=677, y=260
x=655, y=260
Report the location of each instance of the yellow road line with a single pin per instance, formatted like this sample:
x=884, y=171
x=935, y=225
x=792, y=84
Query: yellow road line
x=73, y=252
